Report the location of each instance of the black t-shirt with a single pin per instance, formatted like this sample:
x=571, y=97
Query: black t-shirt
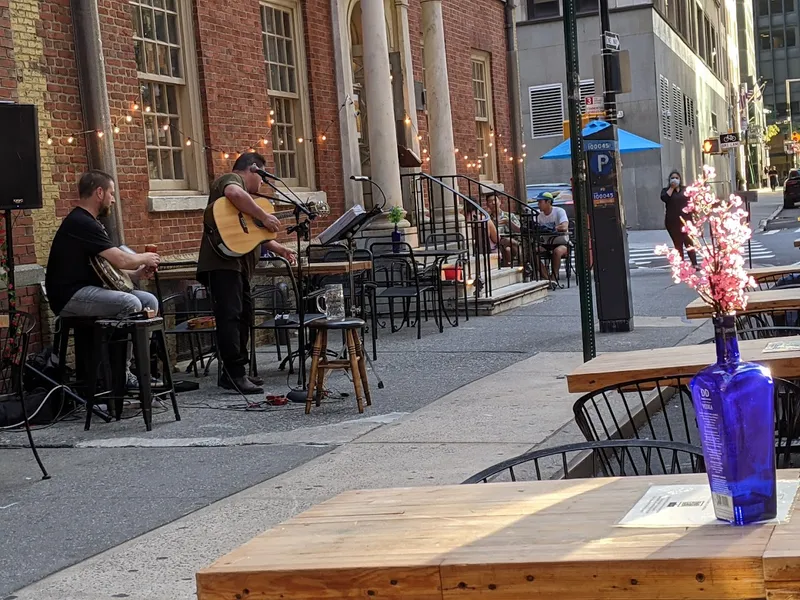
x=79, y=238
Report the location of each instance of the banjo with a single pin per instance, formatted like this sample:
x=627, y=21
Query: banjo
x=112, y=278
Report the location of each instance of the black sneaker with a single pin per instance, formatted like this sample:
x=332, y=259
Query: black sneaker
x=240, y=384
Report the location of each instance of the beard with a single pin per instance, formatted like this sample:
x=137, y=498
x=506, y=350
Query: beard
x=104, y=212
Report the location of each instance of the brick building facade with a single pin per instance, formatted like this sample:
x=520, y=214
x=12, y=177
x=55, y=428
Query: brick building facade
x=192, y=83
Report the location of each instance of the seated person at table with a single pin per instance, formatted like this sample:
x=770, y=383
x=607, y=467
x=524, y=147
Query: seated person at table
x=506, y=224
x=553, y=218
x=73, y=288
x=228, y=278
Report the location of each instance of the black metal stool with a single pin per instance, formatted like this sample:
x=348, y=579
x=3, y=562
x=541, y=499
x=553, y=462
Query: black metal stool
x=355, y=362
x=139, y=332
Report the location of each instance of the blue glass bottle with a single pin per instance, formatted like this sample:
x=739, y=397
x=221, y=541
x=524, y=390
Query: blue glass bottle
x=733, y=402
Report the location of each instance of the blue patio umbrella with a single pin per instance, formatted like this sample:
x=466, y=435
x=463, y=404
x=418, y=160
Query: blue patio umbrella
x=628, y=142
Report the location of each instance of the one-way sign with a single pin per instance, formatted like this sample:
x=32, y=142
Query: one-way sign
x=728, y=141
x=611, y=40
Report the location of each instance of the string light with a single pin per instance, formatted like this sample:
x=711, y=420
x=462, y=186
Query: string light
x=165, y=127
x=116, y=129
x=49, y=141
x=300, y=140
x=265, y=141
x=524, y=145
x=188, y=142
x=226, y=155
x=70, y=139
x=135, y=106
x=147, y=109
x=324, y=138
x=129, y=118
x=272, y=113
x=424, y=150
x=456, y=150
x=100, y=134
x=408, y=120
x=419, y=137
x=505, y=150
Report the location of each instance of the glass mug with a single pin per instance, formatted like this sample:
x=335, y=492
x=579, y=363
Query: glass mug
x=333, y=299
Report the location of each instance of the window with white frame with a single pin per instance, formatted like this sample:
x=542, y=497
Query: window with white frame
x=283, y=55
x=484, y=117
x=547, y=110
x=164, y=53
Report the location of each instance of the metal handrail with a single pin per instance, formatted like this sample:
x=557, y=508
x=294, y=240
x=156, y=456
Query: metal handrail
x=524, y=253
x=432, y=199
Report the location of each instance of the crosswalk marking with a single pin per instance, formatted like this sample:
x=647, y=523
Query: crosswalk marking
x=772, y=232
x=646, y=257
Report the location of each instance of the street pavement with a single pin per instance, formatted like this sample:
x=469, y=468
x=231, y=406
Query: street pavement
x=135, y=514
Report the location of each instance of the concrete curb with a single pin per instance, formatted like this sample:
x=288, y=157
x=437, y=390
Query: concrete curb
x=762, y=224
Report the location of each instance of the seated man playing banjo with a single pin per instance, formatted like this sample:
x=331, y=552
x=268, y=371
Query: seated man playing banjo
x=73, y=287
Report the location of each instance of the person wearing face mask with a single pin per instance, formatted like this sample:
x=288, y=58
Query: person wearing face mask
x=675, y=199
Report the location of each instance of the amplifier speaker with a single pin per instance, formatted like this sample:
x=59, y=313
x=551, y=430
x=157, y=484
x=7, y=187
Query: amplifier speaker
x=20, y=171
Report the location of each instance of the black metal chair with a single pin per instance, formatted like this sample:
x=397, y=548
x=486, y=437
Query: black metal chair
x=269, y=300
x=364, y=289
x=397, y=277
x=656, y=408
x=661, y=409
x=612, y=458
x=290, y=320
x=179, y=308
x=449, y=241
x=14, y=342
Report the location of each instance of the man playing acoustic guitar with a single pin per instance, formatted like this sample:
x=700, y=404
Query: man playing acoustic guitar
x=73, y=287
x=228, y=278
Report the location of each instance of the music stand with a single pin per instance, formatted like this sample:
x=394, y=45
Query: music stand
x=347, y=234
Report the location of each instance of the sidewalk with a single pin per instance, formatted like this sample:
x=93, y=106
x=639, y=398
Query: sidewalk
x=422, y=430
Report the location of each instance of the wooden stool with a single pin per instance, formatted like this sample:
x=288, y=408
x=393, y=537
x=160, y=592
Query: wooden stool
x=355, y=363
x=139, y=331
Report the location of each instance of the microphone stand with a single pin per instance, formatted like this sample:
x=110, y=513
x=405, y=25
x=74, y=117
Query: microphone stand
x=302, y=231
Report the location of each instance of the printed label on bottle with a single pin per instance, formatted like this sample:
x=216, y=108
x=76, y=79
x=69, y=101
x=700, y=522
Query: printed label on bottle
x=713, y=449
x=723, y=506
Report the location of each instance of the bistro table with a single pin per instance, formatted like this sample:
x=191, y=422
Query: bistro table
x=311, y=269
x=613, y=368
x=548, y=539
x=439, y=256
x=758, y=301
x=772, y=274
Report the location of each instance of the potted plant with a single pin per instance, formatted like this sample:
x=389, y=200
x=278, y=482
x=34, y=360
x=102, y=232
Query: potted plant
x=396, y=215
x=733, y=400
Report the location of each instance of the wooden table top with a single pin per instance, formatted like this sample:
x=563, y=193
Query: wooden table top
x=549, y=539
x=613, y=368
x=323, y=268
x=758, y=301
x=762, y=273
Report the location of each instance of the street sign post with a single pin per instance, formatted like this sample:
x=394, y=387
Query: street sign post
x=729, y=141
x=611, y=40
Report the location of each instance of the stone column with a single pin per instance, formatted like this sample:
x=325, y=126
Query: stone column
x=384, y=161
x=440, y=118
x=408, y=72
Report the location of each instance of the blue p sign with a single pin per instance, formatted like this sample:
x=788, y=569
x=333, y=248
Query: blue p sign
x=602, y=163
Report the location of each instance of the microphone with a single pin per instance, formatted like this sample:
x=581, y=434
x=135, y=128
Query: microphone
x=264, y=174
x=364, y=178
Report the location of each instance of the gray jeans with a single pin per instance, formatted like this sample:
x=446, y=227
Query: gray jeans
x=92, y=301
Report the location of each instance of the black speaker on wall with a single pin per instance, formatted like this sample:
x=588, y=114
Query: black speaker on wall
x=20, y=172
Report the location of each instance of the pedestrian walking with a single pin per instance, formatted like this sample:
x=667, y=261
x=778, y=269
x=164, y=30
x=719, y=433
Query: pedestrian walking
x=675, y=200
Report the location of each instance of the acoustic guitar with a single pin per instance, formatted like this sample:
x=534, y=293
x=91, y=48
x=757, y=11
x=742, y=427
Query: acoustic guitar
x=236, y=234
